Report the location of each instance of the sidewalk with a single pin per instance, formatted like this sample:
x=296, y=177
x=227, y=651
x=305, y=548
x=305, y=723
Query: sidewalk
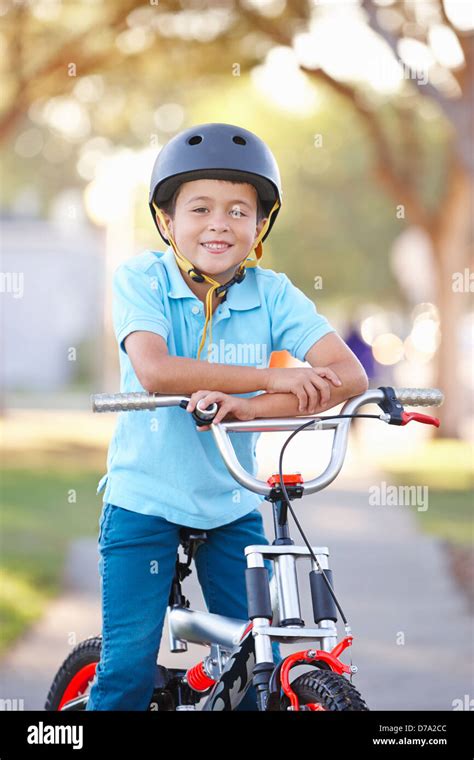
x=412, y=631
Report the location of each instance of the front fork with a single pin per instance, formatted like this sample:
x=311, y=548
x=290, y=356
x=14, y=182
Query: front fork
x=312, y=657
x=275, y=611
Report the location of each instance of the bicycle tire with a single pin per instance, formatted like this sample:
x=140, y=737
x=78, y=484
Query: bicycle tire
x=74, y=676
x=326, y=690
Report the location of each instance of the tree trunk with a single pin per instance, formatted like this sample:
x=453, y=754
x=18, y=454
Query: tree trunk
x=451, y=239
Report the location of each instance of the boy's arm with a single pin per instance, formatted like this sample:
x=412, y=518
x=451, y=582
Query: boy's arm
x=159, y=372
x=330, y=351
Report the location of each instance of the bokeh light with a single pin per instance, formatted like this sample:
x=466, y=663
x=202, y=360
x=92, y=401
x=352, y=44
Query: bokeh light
x=387, y=349
x=460, y=13
x=445, y=46
x=280, y=79
x=67, y=117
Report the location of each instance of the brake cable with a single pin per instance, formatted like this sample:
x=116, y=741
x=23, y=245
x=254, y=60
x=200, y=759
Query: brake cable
x=287, y=499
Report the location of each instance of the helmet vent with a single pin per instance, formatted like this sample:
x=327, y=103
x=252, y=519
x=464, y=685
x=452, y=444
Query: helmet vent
x=195, y=140
x=239, y=140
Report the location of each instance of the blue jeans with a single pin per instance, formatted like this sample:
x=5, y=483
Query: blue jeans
x=137, y=565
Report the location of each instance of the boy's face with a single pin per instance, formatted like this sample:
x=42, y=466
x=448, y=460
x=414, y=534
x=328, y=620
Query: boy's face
x=210, y=210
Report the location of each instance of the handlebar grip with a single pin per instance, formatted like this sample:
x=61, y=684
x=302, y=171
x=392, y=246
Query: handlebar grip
x=206, y=414
x=419, y=396
x=123, y=402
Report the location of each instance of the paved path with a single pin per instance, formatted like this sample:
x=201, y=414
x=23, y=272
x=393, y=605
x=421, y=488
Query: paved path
x=413, y=634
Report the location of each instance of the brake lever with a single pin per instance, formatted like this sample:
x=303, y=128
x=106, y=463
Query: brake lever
x=425, y=418
x=395, y=413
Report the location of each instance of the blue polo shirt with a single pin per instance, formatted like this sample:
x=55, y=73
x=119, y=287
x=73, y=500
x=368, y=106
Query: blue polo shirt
x=158, y=463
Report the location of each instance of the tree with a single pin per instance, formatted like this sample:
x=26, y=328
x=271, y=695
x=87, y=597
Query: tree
x=157, y=35
x=448, y=225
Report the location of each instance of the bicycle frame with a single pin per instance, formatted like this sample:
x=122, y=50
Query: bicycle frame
x=241, y=651
x=238, y=646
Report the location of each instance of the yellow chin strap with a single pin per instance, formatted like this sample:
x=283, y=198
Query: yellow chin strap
x=188, y=267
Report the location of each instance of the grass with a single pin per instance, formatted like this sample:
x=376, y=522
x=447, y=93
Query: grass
x=51, y=463
x=447, y=468
x=449, y=516
x=38, y=520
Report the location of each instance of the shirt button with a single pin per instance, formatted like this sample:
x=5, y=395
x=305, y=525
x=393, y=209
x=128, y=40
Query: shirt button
x=196, y=310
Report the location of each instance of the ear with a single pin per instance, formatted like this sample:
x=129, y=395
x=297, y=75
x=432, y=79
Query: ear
x=259, y=227
x=169, y=222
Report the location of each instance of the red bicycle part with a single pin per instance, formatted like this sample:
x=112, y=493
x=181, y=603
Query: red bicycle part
x=79, y=683
x=250, y=625
x=288, y=480
x=331, y=658
x=198, y=679
x=425, y=418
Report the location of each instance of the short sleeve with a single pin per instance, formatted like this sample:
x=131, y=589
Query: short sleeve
x=137, y=304
x=296, y=323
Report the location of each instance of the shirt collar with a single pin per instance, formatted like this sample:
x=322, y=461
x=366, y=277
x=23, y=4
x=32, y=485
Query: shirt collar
x=240, y=296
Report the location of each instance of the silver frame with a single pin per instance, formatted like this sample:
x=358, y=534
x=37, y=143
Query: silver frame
x=221, y=633
x=186, y=625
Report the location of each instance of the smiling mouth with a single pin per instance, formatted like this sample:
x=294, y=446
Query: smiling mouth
x=216, y=249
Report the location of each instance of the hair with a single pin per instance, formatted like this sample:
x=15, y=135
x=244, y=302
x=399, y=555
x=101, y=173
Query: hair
x=169, y=206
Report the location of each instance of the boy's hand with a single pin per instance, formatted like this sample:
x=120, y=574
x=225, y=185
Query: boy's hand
x=305, y=383
x=240, y=408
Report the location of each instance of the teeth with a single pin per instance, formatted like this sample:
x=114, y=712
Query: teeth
x=216, y=246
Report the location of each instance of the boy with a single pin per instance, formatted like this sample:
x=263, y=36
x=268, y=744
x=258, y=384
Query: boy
x=215, y=193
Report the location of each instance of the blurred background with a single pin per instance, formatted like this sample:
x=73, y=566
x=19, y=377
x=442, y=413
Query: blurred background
x=367, y=106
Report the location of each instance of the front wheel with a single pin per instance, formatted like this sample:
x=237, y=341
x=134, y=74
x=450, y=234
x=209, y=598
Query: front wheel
x=325, y=690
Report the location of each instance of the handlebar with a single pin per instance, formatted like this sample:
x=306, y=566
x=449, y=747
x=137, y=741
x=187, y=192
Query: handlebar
x=124, y=402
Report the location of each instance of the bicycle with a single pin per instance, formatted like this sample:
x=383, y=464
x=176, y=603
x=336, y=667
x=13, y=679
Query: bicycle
x=240, y=651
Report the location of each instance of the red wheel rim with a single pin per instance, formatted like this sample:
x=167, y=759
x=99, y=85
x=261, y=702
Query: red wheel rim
x=78, y=684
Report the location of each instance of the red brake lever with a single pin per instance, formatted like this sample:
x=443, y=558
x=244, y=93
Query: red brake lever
x=408, y=416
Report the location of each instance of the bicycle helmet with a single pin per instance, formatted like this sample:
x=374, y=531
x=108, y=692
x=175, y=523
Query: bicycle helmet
x=216, y=151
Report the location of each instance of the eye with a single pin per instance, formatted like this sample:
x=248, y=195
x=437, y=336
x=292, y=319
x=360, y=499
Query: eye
x=201, y=208
x=238, y=211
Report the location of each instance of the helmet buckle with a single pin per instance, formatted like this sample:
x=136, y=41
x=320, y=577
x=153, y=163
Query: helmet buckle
x=195, y=276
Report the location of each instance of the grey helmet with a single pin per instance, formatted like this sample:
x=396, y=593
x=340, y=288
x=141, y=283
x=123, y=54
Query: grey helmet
x=216, y=151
